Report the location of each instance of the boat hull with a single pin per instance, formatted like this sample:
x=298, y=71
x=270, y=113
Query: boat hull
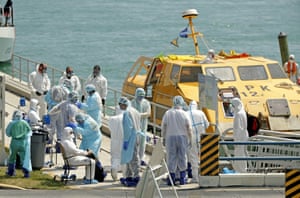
x=7, y=43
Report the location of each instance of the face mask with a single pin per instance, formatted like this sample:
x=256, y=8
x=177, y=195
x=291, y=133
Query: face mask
x=139, y=98
x=90, y=93
x=74, y=100
x=96, y=73
x=69, y=75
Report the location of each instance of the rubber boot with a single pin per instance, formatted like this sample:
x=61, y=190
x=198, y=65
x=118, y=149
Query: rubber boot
x=26, y=173
x=11, y=170
x=173, y=179
x=189, y=170
x=182, y=177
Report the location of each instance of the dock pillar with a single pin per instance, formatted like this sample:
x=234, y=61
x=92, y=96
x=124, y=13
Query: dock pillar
x=283, y=45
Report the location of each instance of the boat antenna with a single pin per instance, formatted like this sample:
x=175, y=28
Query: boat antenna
x=190, y=14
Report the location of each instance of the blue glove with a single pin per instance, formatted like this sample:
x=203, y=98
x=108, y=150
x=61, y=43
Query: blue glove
x=125, y=145
x=78, y=104
x=72, y=125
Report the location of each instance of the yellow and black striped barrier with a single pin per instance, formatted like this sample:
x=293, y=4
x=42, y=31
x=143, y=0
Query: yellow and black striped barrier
x=209, y=155
x=292, y=183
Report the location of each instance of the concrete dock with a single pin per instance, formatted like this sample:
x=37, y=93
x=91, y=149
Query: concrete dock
x=15, y=90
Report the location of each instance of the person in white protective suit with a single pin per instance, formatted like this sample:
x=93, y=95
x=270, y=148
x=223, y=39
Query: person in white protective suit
x=20, y=133
x=240, y=133
x=199, y=125
x=33, y=115
x=143, y=106
x=209, y=57
x=39, y=84
x=91, y=136
x=93, y=104
x=176, y=130
x=70, y=78
x=64, y=113
x=116, y=141
x=55, y=95
x=100, y=82
x=130, y=143
x=80, y=156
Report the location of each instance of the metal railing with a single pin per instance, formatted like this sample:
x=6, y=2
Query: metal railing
x=266, y=155
x=22, y=67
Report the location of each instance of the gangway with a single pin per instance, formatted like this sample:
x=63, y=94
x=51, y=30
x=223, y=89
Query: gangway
x=266, y=153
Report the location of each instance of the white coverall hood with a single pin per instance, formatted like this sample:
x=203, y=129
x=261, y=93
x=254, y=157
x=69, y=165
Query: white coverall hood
x=237, y=104
x=34, y=104
x=178, y=101
x=193, y=105
x=68, y=134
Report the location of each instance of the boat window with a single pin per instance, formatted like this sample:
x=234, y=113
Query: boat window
x=175, y=73
x=221, y=73
x=253, y=72
x=190, y=74
x=156, y=71
x=276, y=71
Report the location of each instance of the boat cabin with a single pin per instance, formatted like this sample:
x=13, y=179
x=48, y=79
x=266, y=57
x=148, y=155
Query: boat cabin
x=261, y=84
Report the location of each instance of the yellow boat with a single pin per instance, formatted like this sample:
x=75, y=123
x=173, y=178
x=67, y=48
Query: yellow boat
x=261, y=84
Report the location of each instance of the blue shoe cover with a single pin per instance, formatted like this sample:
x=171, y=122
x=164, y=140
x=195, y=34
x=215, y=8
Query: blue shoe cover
x=90, y=181
x=11, y=170
x=143, y=163
x=26, y=173
x=130, y=182
x=122, y=180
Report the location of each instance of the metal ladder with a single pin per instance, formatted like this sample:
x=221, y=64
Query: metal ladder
x=154, y=173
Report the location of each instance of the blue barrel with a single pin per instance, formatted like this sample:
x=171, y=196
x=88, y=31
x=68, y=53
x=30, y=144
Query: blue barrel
x=22, y=102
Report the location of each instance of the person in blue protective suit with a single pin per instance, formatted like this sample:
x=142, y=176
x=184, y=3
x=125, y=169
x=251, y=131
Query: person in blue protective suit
x=33, y=114
x=177, y=132
x=93, y=105
x=90, y=133
x=129, y=153
x=64, y=113
x=199, y=125
x=143, y=106
x=80, y=157
x=20, y=133
x=240, y=133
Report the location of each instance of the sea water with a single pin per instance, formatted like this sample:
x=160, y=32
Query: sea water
x=115, y=33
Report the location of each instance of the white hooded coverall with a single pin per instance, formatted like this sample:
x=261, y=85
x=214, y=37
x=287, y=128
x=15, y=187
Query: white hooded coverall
x=80, y=156
x=240, y=133
x=199, y=124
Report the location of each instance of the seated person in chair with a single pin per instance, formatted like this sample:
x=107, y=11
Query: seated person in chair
x=78, y=157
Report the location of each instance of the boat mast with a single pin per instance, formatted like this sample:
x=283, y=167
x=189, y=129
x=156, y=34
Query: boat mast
x=190, y=14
